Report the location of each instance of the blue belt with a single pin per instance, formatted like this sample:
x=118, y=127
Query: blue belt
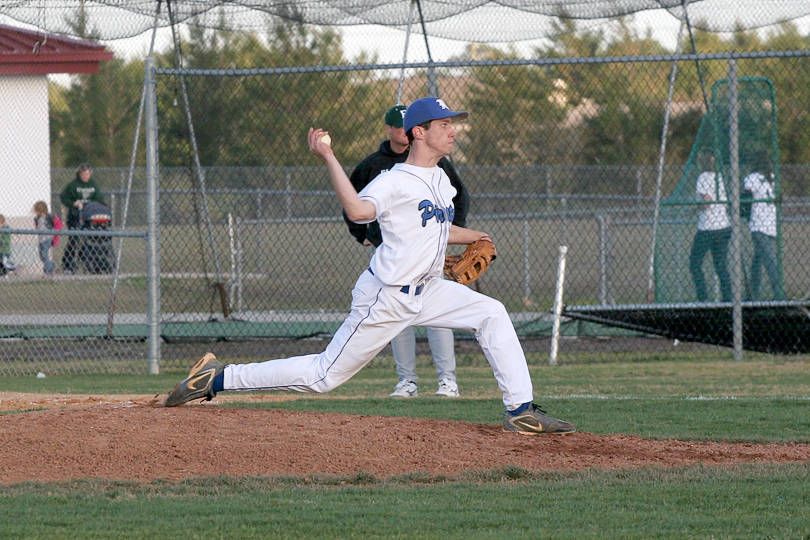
x=407, y=288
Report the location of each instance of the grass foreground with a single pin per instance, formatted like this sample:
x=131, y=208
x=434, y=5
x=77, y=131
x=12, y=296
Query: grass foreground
x=691, y=502
x=759, y=401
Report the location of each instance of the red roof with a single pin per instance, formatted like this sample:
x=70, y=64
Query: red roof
x=25, y=52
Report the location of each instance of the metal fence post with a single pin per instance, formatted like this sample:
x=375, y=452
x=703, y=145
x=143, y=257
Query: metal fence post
x=240, y=268
x=734, y=158
x=152, y=221
x=288, y=193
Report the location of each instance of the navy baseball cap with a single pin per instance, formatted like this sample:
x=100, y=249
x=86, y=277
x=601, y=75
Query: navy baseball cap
x=426, y=109
x=394, y=115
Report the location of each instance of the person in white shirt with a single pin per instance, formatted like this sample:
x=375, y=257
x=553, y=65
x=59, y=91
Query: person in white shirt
x=714, y=229
x=402, y=287
x=395, y=150
x=762, y=224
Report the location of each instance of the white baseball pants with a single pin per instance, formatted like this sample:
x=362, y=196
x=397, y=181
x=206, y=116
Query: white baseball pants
x=378, y=314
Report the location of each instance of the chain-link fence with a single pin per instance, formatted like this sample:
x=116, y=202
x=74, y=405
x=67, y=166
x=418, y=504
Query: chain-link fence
x=277, y=260
x=253, y=246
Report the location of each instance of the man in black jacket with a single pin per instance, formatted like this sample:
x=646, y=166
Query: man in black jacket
x=392, y=151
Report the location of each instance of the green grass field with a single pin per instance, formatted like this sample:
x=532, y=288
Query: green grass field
x=685, y=398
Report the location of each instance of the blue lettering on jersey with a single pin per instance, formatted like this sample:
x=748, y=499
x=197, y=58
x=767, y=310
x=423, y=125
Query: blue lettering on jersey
x=429, y=211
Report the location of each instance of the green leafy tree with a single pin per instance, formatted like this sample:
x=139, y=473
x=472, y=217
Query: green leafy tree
x=789, y=76
x=630, y=103
x=263, y=119
x=515, y=114
x=58, y=108
x=577, y=85
x=94, y=118
x=96, y=121
x=786, y=74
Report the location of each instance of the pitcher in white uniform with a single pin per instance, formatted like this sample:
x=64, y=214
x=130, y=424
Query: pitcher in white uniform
x=413, y=203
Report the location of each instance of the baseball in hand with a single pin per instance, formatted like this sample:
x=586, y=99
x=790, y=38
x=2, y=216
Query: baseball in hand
x=326, y=139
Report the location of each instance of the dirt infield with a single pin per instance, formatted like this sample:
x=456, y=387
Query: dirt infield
x=66, y=437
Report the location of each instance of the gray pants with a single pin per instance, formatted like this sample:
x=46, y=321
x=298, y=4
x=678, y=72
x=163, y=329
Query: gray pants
x=441, y=345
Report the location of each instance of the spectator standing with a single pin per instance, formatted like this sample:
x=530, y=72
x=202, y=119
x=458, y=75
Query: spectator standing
x=44, y=221
x=762, y=224
x=714, y=229
x=80, y=190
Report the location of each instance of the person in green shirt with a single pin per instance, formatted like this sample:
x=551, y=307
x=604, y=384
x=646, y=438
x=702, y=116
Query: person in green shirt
x=80, y=190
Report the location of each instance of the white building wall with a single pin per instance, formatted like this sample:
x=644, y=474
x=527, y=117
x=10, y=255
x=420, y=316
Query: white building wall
x=25, y=147
x=25, y=159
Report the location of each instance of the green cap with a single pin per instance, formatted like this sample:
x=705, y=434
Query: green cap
x=394, y=116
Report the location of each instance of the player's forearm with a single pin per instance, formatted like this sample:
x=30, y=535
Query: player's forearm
x=356, y=209
x=461, y=235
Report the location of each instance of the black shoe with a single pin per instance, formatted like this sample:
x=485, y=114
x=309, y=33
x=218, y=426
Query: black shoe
x=198, y=384
x=534, y=420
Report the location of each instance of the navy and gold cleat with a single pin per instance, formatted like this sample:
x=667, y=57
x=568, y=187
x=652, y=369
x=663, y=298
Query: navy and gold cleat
x=533, y=421
x=198, y=384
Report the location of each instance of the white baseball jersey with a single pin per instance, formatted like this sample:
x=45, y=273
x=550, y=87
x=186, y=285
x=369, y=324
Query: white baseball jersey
x=715, y=216
x=763, y=214
x=415, y=211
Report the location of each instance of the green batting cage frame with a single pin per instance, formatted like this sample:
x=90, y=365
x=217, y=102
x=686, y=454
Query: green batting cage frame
x=756, y=137
x=739, y=134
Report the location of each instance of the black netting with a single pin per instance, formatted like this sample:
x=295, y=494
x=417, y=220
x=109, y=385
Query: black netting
x=466, y=20
x=712, y=324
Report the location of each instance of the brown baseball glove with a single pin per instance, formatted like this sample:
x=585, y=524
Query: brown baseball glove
x=469, y=266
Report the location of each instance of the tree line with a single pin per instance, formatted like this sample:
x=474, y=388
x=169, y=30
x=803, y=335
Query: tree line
x=584, y=114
